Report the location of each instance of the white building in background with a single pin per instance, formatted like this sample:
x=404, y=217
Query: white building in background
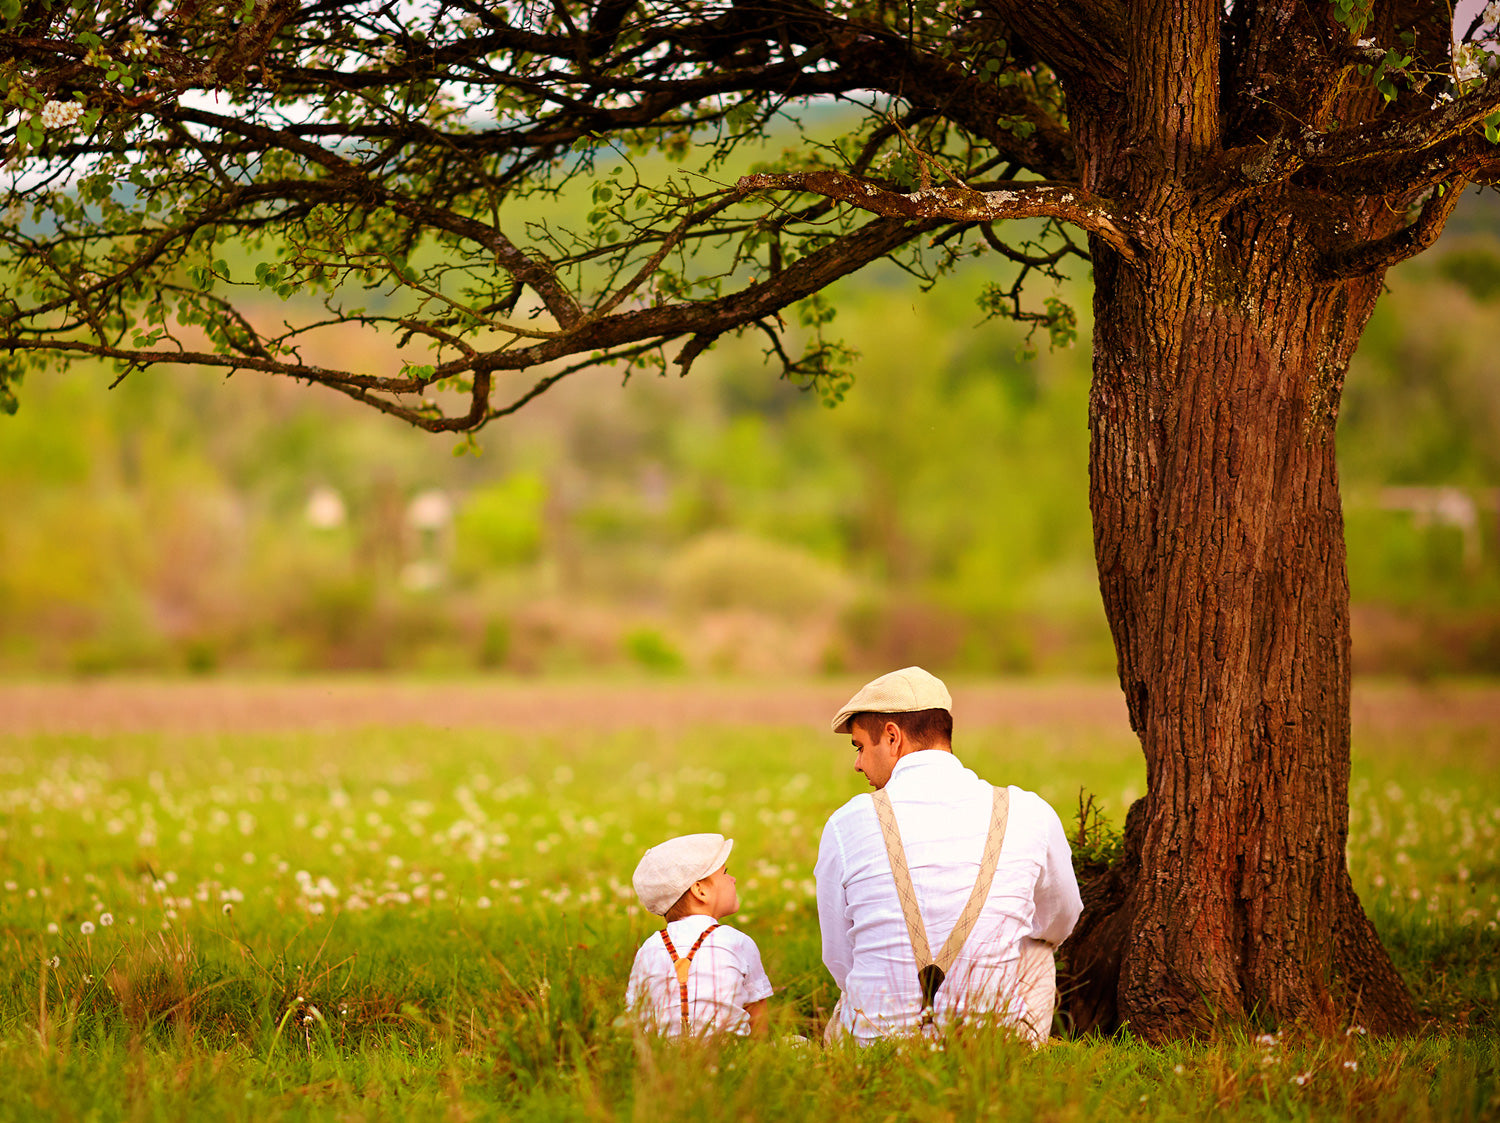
x=1445, y=506
x=429, y=518
x=430, y=512
x=325, y=509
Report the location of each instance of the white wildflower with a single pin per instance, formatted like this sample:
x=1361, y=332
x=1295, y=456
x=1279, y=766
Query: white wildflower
x=1301, y=1078
x=87, y=927
x=1352, y=1066
x=54, y=962
x=106, y=919
x=52, y=928
x=470, y=22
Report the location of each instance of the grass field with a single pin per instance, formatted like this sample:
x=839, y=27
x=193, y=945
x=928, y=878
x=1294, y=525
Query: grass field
x=414, y=922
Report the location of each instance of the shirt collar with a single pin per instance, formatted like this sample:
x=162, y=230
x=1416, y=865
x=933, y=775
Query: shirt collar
x=927, y=760
x=693, y=925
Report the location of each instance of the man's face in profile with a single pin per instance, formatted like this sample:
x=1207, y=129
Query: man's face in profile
x=875, y=756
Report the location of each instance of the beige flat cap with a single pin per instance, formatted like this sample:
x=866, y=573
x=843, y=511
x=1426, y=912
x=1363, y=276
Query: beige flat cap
x=668, y=870
x=900, y=692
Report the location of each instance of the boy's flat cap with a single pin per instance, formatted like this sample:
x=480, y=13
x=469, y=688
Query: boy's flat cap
x=900, y=692
x=668, y=870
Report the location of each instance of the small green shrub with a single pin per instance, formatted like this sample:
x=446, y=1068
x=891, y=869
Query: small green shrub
x=648, y=648
x=727, y=570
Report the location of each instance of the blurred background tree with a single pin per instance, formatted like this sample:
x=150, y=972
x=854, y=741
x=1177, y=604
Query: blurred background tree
x=719, y=524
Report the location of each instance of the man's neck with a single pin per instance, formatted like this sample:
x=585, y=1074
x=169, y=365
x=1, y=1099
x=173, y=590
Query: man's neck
x=945, y=747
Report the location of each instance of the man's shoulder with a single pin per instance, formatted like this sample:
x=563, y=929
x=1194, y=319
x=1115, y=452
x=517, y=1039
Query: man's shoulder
x=857, y=808
x=1029, y=803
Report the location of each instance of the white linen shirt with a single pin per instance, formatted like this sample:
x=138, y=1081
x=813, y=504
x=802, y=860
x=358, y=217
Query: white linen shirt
x=725, y=977
x=943, y=811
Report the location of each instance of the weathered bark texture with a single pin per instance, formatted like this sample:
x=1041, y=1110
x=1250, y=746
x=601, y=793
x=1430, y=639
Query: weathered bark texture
x=1219, y=359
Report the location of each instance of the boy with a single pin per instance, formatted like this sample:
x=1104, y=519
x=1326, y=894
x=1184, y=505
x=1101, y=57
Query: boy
x=697, y=977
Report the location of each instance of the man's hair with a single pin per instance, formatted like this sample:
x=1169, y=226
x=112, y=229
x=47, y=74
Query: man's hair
x=921, y=726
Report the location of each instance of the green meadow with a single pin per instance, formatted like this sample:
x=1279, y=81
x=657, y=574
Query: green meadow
x=428, y=923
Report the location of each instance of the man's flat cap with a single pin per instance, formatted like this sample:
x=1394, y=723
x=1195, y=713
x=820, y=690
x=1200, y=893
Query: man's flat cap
x=900, y=692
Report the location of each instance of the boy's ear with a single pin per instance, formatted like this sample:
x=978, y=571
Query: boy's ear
x=700, y=890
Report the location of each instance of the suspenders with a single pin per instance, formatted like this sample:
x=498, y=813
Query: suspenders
x=683, y=965
x=930, y=971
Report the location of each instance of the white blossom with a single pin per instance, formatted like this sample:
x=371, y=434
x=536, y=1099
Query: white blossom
x=470, y=22
x=61, y=114
x=106, y=919
x=87, y=927
x=1468, y=62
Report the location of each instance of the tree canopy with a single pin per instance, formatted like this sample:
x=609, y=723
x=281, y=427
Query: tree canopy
x=547, y=186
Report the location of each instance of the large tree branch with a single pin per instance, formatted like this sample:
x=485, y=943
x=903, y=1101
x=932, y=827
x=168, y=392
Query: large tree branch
x=1397, y=153
x=605, y=337
x=1079, y=40
x=1409, y=241
x=963, y=204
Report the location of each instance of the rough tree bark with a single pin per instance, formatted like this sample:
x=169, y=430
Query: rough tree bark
x=1219, y=359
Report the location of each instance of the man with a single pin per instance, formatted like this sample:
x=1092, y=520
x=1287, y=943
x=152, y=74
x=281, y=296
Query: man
x=959, y=946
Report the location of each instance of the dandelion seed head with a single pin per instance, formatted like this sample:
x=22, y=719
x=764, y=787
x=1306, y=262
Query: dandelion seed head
x=87, y=927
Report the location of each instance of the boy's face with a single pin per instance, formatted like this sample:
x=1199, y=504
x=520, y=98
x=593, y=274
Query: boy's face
x=723, y=898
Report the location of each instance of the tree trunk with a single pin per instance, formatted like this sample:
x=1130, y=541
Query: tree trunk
x=1219, y=360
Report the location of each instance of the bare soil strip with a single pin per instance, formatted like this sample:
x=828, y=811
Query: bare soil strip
x=105, y=706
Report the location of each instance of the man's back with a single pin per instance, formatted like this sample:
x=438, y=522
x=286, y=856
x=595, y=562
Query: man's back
x=943, y=811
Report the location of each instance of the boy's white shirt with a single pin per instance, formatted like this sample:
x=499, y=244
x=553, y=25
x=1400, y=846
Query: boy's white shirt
x=726, y=976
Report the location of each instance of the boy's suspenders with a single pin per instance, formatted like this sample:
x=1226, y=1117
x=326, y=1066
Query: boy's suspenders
x=930, y=971
x=683, y=965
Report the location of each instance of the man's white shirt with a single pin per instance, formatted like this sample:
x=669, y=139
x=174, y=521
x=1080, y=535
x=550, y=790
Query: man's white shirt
x=943, y=812
x=725, y=977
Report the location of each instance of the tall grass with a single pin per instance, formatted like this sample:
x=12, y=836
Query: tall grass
x=424, y=923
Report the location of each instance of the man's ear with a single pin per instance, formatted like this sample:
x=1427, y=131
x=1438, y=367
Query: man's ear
x=892, y=732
